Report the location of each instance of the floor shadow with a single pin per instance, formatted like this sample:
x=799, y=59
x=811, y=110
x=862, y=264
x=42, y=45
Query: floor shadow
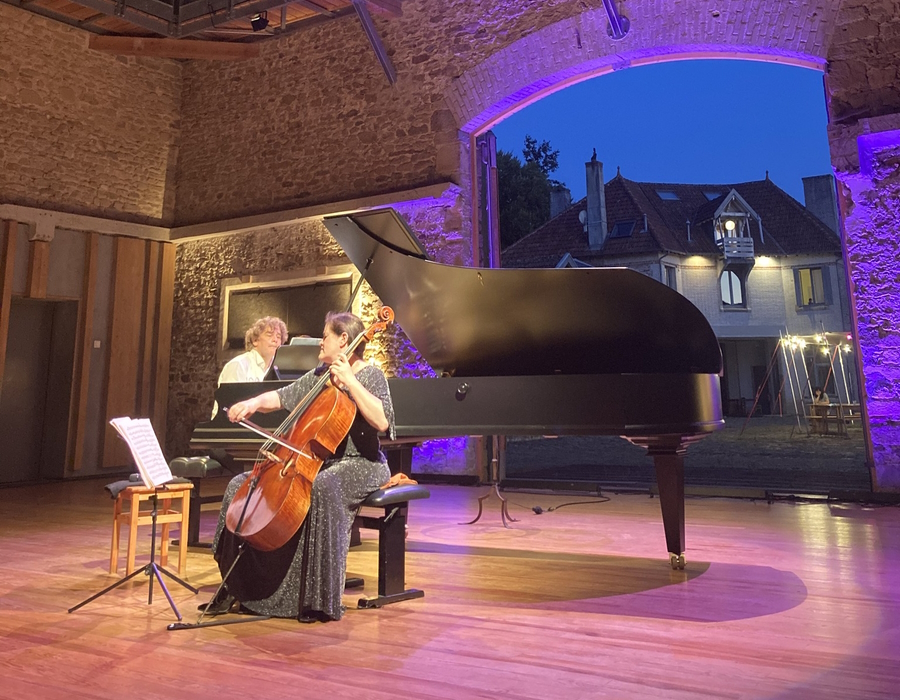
x=608, y=585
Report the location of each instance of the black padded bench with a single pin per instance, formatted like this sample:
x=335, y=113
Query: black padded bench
x=391, y=527
x=196, y=469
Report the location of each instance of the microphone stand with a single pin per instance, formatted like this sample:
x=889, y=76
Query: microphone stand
x=254, y=480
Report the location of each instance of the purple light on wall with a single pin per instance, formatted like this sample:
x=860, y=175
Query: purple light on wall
x=541, y=86
x=879, y=154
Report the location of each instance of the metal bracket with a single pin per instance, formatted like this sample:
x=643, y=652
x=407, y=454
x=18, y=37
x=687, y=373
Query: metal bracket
x=618, y=25
x=365, y=19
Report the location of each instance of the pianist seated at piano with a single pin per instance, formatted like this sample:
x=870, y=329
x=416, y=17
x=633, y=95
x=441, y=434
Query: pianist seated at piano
x=269, y=583
x=261, y=341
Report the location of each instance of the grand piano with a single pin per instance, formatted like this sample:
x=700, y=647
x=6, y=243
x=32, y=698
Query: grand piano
x=580, y=351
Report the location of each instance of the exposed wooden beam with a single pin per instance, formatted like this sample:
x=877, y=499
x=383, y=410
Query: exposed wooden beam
x=91, y=19
x=173, y=48
x=314, y=7
x=148, y=16
x=387, y=7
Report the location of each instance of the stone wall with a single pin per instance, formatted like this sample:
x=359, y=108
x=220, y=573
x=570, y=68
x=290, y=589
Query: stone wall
x=82, y=131
x=314, y=119
x=864, y=134
x=304, y=249
x=864, y=60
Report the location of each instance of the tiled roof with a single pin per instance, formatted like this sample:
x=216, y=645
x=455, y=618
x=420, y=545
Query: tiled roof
x=788, y=228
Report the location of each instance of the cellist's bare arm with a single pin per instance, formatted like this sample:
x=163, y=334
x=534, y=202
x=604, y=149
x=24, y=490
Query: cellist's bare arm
x=368, y=405
x=264, y=403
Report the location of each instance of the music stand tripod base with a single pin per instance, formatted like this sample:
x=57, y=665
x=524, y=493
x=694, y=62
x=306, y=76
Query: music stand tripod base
x=152, y=570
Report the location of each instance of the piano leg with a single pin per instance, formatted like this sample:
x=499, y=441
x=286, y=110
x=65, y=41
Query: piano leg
x=670, y=480
x=668, y=457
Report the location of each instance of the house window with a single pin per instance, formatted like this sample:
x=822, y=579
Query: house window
x=733, y=292
x=812, y=286
x=622, y=229
x=667, y=195
x=670, y=277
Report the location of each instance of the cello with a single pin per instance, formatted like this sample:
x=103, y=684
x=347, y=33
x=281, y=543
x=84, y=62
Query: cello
x=271, y=505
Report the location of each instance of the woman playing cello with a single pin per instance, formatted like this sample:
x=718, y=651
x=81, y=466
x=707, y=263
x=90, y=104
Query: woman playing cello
x=269, y=582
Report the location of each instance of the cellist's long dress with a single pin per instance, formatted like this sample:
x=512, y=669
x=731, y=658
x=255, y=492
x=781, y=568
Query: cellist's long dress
x=269, y=582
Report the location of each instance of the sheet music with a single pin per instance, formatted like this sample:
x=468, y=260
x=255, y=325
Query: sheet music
x=144, y=445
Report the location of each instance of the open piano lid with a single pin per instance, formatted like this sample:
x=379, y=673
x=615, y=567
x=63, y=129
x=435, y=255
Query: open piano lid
x=484, y=322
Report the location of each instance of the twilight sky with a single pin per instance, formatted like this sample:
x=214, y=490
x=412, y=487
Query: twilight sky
x=702, y=121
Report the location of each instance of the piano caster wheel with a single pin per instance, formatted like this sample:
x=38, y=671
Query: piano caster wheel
x=677, y=561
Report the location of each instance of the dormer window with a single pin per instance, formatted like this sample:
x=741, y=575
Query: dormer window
x=731, y=227
x=622, y=229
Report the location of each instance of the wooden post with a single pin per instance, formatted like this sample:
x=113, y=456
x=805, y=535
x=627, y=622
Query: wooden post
x=81, y=377
x=7, y=266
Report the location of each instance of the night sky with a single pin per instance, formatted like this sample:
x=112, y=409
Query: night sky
x=701, y=121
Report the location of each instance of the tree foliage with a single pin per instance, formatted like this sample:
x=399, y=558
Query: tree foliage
x=524, y=189
x=546, y=158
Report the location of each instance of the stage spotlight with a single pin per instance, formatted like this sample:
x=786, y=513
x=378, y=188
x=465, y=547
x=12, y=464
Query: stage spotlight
x=260, y=21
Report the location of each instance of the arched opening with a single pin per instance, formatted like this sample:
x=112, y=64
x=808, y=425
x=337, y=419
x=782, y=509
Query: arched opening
x=749, y=257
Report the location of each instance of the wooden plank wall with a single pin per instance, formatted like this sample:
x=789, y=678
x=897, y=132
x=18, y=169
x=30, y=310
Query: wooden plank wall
x=139, y=339
x=138, y=344
x=163, y=347
x=7, y=266
x=84, y=344
x=123, y=345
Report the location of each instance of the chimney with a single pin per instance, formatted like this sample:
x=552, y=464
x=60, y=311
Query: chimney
x=821, y=199
x=596, y=203
x=560, y=200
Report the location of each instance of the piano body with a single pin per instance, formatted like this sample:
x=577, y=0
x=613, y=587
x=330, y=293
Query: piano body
x=580, y=351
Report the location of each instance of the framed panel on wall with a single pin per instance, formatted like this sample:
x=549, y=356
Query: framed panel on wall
x=301, y=301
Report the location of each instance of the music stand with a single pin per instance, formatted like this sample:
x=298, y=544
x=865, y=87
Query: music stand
x=152, y=569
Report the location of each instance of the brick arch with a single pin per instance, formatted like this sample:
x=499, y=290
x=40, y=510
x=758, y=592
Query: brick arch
x=578, y=48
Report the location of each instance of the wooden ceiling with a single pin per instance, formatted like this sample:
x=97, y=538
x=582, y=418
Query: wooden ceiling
x=122, y=22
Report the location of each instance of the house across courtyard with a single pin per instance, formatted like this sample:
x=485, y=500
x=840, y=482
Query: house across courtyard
x=765, y=270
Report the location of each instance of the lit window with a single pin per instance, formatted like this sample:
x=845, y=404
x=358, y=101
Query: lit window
x=732, y=287
x=812, y=286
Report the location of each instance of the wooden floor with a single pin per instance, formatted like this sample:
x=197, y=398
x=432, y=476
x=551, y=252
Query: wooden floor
x=777, y=601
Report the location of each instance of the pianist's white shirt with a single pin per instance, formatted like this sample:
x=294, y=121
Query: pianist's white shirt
x=246, y=367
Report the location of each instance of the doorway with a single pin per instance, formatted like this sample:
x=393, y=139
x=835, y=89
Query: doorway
x=36, y=389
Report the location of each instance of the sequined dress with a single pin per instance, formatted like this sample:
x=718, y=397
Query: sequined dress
x=269, y=582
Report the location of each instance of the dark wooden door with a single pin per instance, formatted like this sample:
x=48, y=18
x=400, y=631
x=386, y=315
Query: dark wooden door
x=37, y=385
x=23, y=397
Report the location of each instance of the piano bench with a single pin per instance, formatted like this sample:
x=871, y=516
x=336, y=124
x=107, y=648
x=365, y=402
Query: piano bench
x=391, y=527
x=196, y=469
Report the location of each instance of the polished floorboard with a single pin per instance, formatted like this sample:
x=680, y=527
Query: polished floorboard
x=783, y=600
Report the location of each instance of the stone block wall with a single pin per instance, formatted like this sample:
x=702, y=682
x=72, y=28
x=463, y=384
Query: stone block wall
x=202, y=265
x=82, y=131
x=864, y=60
x=313, y=119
